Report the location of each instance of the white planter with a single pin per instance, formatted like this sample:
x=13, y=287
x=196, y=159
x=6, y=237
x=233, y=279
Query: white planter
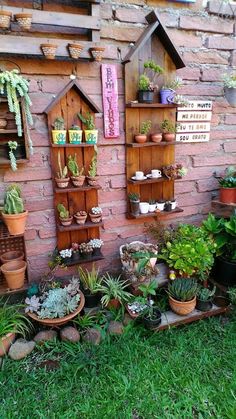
x=152, y=207
x=133, y=264
x=160, y=206
x=143, y=207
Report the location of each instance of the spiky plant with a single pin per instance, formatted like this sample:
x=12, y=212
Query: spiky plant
x=90, y=279
x=113, y=288
x=183, y=289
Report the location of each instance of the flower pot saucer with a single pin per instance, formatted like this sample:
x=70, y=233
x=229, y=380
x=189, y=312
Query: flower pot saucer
x=149, y=176
x=143, y=178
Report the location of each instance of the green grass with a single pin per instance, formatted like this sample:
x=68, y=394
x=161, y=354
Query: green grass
x=182, y=373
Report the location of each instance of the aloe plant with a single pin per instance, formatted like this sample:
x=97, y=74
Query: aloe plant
x=183, y=289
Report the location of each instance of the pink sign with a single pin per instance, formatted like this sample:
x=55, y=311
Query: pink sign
x=110, y=101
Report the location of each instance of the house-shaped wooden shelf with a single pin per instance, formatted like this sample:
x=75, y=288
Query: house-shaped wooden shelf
x=71, y=100
x=154, y=44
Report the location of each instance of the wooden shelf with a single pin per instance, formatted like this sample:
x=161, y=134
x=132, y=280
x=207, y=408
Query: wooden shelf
x=8, y=131
x=148, y=181
x=221, y=209
x=150, y=105
x=74, y=227
x=68, y=145
x=152, y=144
x=76, y=189
x=6, y=162
x=155, y=214
x=4, y=290
x=84, y=260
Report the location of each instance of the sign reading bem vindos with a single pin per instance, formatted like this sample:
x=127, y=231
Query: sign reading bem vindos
x=110, y=101
x=193, y=121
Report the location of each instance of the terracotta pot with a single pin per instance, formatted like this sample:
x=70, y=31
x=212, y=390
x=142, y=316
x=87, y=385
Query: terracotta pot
x=5, y=19
x=75, y=50
x=156, y=138
x=97, y=53
x=95, y=218
x=168, y=137
x=182, y=308
x=24, y=20
x=62, y=183
x=12, y=255
x=140, y=138
x=66, y=222
x=114, y=303
x=78, y=180
x=5, y=343
x=14, y=273
x=3, y=123
x=92, y=180
x=132, y=315
x=228, y=195
x=79, y=218
x=62, y=320
x=15, y=222
x=49, y=50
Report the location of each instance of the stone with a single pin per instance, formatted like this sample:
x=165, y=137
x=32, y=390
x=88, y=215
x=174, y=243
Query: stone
x=20, y=349
x=93, y=336
x=44, y=336
x=115, y=328
x=70, y=334
x=127, y=319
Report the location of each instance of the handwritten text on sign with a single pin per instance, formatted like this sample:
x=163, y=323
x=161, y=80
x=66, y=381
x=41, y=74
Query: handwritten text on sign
x=110, y=101
x=197, y=105
x=193, y=138
x=193, y=116
x=194, y=121
x=193, y=127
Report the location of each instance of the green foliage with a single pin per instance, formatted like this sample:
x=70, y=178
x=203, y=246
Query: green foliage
x=112, y=287
x=75, y=128
x=183, y=289
x=148, y=289
x=59, y=124
x=13, y=203
x=63, y=212
x=151, y=72
x=87, y=120
x=90, y=279
x=229, y=180
x=93, y=166
x=74, y=167
x=144, y=82
x=12, y=320
x=229, y=80
x=232, y=295
x=145, y=127
x=12, y=146
x=173, y=84
x=63, y=173
x=205, y=294
x=135, y=197
x=168, y=127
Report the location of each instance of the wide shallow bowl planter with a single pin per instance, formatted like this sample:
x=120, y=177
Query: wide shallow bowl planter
x=91, y=136
x=169, y=137
x=75, y=50
x=92, y=180
x=62, y=183
x=78, y=181
x=15, y=222
x=5, y=343
x=230, y=95
x=152, y=323
x=49, y=50
x=204, y=305
x=5, y=19
x=24, y=20
x=131, y=314
x=224, y=272
x=156, y=138
x=145, y=96
x=140, y=138
x=75, y=136
x=59, y=136
x=12, y=255
x=62, y=320
x=182, y=308
x=66, y=222
x=228, y=195
x=14, y=273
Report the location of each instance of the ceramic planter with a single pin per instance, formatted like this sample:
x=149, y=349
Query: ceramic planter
x=221, y=301
x=97, y=251
x=228, y=195
x=203, y=305
x=78, y=180
x=95, y=218
x=92, y=180
x=169, y=137
x=49, y=51
x=75, y=50
x=144, y=207
x=12, y=255
x=230, y=95
x=156, y=138
x=114, y=303
x=75, y=136
x=66, y=222
x=91, y=136
x=24, y=20
x=140, y=138
x=15, y=222
x=145, y=96
x=62, y=183
x=80, y=218
x=152, y=323
x=167, y=96
x=5, y=343
x=182, y=308
x=14, y=273
x=97, y=53
x=86, y=255
x=59, y=136
x=5, y=19
x=225, y=272
x=152, y=207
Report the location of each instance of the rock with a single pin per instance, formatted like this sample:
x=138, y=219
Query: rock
x=93, y=336
x=20, y=349
x=127, y=319
x=115, y=328
x=44, y=336
x=70, y=334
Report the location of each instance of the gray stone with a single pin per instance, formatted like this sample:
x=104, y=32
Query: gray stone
x=20, y=349
x=115, y=328
x=44, y=336
x=127, y=319
x=70, y=334
x=93, y=336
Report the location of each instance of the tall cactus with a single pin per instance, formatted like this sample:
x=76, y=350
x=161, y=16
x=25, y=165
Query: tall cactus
x=13, y=203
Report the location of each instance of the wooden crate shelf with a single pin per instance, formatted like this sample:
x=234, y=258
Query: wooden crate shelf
x=160, y=214
x=84, y=260
x=74, y=227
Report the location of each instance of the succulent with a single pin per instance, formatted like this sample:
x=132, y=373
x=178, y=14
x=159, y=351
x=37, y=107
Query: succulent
x=96, y=211
x=134, y=197
x=65, y=253
x=204, y=294
x=92, y=172
x=96, y=243
x=174, y=171
x=138, y=305
x=167, y=126
x=113, y=288
x=63, y=173
x=145, y=127
x=73, y=166
x=148, y=78
x=90, y=279
x=87, y=120
x=229, y=180
x=173, y=84
x=13, y=203
x=33, y=304
x=63, y=212
x=85, y=248
x=75, y=247
x=229, y=80
x=183, y=289
x=12, y=146
x=75, y=128
x=152, y=201
x=59, y=123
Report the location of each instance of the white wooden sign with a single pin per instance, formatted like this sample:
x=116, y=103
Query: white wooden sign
x=193, y=137
x=194, y=121
x=193, y=116
x=197, y=105
x=193, y=127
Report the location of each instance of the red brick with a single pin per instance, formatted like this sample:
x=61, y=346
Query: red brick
x=120, y=208
x=206, y=24
x=222, y=106
x=111, y=196
x=223, y=133
x=54, y=84
x=106, y=11
x=196, y=173
x=193, y=199
x=230, y=119
x=221, y=42
x=108, y=236
x=130, y=15
x=119, y=33
x=211, y=74
x=188, y=73
x=38, y=204
x=40, y=101
x=207, y=184
x=118, y=221
x=215, y=6
x=198, y=148
x=34, y=86
x=42, y=247
x=131, y=232
x=216, y=160
x=46, y=233
x=24, y=174
x=200, y=90
x=233, y=58
x=179, y=38
x=30, y=234
x=205, y=57
x=118, y=181
x=170, y=20
x=41, y=218
x=230, y=146
x=40, y=124
x=183, y=187
x=111, y=168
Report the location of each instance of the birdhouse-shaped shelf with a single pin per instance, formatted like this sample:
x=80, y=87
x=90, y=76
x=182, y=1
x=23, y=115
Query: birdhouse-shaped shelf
x=156, y=45
x=76, y=195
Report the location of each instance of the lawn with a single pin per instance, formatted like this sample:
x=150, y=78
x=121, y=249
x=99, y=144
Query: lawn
x=187, y=372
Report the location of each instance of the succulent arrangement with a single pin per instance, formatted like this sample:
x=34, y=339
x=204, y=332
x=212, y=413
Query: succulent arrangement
x=96, y=210
x=65, y=253
x=174, y=171
x=205, y=294
x=147, y=80
x=59, y=124
x=229, y=80
x=229, y=180
x=183, y=289
x=86, y=249
x=12, y=146
x=173, y=84
x=96, y=243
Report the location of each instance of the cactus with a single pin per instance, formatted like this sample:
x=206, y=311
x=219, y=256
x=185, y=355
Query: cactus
x=88, y=121
x=73, y=166
x=63, y=212
x=62, y=174
x=13, y=203
x=59, y=123
x=93, y=166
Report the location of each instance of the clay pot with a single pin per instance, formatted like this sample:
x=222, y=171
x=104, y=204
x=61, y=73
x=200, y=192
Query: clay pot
x=95, y=218
x=5, y=19
x=97, y=53
x=78, y=180
x=114, y=303
x=75, y=50
x=12, y=255
x=182, y=308
x=62, y=183
x=80, y=218
x=49, y=50
x=92, y=180
x=167, y=136
x=3, y=123
x=66, y=222
x=14, y=273
x=140, y=138
x=5, y=343
x=24, y=20
x=228, y=195
x=15, y=222
x=156, y=138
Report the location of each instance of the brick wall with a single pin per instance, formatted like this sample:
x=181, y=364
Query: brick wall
x=207, y=44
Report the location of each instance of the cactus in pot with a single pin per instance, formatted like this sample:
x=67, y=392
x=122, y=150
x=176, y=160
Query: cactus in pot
x=62, y=178
x=59, y=131
x=14, y=214
x=64, y=215
x=75, y=134
x=77, y=177
x=92, y=177
x=91, y=134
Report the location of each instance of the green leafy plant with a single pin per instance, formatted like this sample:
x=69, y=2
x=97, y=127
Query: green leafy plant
x=183, y=289
x=63, y=173
x=167, y=126
x=229, y=80
x=74, y=167
x=12, y=320
x=147, y=80
x=63, y=212
x=87, y=120
x=148, y=289
x=75, y=128
x=12, y=146
x=173, y=84
x=145, y=127
x=229, y=180
x=135, y=197
x=174, y=171
x=205, y=294
x=13, y=203
x=59, y=124
x=232, y=295
x=92, y=172
x=90, y=279
x=113, y=288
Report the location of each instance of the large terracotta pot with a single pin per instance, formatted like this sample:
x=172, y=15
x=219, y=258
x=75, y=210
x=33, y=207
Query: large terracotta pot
x=14, y=273
x=15, y=222
x=12, y=255
x=5, y=343
x=228, y=195
x=182, y=308
x=140, y=138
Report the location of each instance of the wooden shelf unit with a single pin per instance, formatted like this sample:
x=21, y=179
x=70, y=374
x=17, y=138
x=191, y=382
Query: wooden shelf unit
x=160, y=214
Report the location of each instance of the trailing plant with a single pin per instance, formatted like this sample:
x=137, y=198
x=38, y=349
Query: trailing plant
x=63, y=212
x=180, y=100
x=229, y=80
x=59, y=124
x=90, y=279
x=145, y=127
x=229, y=180
x=205, y=294
x=87, y=120
x=73, y=166
x=14, y=86
x=13, y=203
x=147, y=80
x=93, y=166
x=167, y=126
x=12, y=146
x=113, y=288
x=183, y=289
x=12, y=320
x=63, y=173
x=134, y=197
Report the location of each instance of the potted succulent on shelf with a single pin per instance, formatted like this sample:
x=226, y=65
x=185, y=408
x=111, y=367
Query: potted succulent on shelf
x=182, y=295
x=90, y=281
x=96, y=244
x=86, y=250
x=228, y=186
x=174, y=171
x=147, y=81
x=62, y=179
x=151, y=317
x=65, y=255
x=168, y=130
x=80, y=217
x=114, y=291
x=134, y=199
x=230, y=88
x=95, y=214
x=91, y=134
x=75, y=134
x=92, y=177
x=64, y=216
x=152, y=205
x=144, y=130
x=167, y=92
x=97, y=52
x=59, y=131
x=14, y=215
x=204, y=298
x=75, y=252
x=77, y=177
x=12, y=146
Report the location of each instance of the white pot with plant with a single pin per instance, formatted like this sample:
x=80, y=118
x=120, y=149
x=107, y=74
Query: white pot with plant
x=77, y=177
x=91, y=134
x=230, y=88
x=96, y=244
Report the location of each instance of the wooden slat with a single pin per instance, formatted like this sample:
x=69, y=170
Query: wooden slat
x=160, y=214
x=149, y=105
x=152, y=144
x=74, y=227
x=75, y=189
x=148, y=181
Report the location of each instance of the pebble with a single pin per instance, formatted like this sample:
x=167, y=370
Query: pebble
x=70, y=334
x=20, y=349
x=115, y=328
x=44, y=336
x=93, y=336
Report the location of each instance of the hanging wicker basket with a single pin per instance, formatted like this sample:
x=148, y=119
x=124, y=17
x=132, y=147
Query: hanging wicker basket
x=49, y=50
x=24, y=20
x=5, y=19
x=75, y=50
x=97, y=53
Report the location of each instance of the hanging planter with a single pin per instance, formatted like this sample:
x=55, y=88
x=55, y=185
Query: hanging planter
x=97, y=53
x=49, y=50
x=5, y=19
x=75, y=50
x=24, y=20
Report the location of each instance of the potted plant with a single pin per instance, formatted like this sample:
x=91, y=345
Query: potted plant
x=95, y=214
x=230, y=88
x=167, y=92
x=174, y=171
x=168, y=130
x=75, y=50
x=56, y=306
x=14, y=273
x=96, y=244
x=223, y=232
x=228, y=186
x=147, y=81
x=24, y=20
x=75, y=134
x=62, y=179
x=12, y=322
x=14, y=215
x=92, y=177
x=91, y=134
x=80, y=217
x=182, y=295
x=86, y=250
x=11, y=255
x=136, y=306
x=134, y=199
x=156, y=137
x=144, y=130
x=64, y=215
x=75, y=251
x=49, y=50
x=151, y=317
x=152, y=205
x=97, y=52
x=114, y=291
x=90, y=280
x=5, y=18
x=204, y=298
x=65, y=256
x=77, y=177
x=59, y=131
x=12, y=146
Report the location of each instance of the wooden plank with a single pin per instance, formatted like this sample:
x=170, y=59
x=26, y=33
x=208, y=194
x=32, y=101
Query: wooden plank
x=148, y=181
x=68, y=145
x=149, y=105
x=81, y=261
x=223, y=210
x=160, y=214
x=75, y=189
x=147, y=33
x=74, y=227
x=152, y=144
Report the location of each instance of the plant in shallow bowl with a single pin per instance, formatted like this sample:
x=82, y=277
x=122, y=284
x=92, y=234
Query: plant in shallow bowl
x=144, y=130
x=77, y=177
x=147, y=81
x=114, y=291
x=174, y=171
x=230, y=88
x=204, y=298
x=182, y=295
x=90, y=281
x=64, y=215
x=228, y=186
x=62, y=179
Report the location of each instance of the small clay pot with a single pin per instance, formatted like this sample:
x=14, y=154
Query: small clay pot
x=114, y=303
x=182, y=308
x=78, y=180
x=97, y=53
x=5, y=343
x=3, y=123
x=169, y=137
x=80, y=218
x=12, y=255
x=221, y=301
x=95, y=218
x=92, y=180
x=5, y=19
x=49, y=50
x=15, y=222
x=62, y=183
x=14, y=273
x=140, y=138
x=66, y=222
x=24, y=20
x=75, y=50
x=156, y=138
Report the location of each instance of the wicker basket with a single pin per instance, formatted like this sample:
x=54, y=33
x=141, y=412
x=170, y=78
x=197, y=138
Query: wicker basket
x=97, y=53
